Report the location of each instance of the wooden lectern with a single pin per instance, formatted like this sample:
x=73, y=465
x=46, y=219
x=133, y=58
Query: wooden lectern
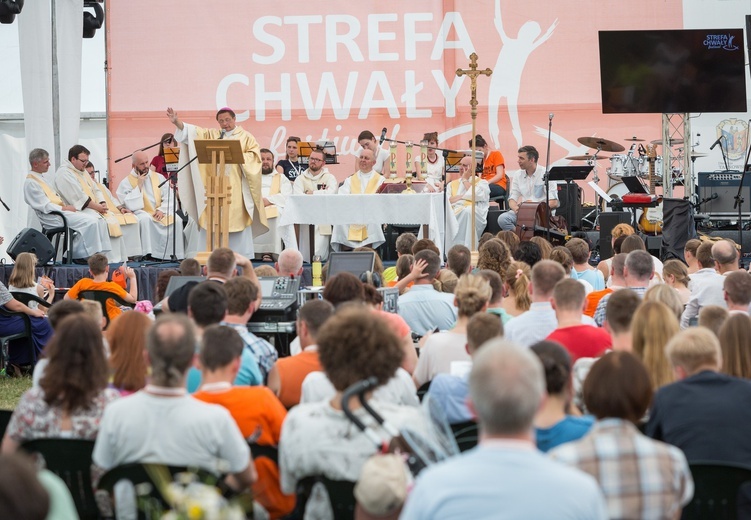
x=218, y=153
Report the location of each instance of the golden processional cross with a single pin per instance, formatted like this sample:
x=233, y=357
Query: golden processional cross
x=473, y=72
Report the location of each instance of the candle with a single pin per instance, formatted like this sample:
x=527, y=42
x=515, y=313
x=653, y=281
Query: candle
x=409, y=146
x=424, y=157
x=392, y=164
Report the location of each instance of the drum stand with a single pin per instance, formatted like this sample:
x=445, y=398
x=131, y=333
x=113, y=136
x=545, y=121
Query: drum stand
x=594, y=222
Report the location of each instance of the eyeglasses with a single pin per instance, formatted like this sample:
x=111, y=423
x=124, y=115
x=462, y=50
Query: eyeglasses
x=85, y=161
x=314, y=159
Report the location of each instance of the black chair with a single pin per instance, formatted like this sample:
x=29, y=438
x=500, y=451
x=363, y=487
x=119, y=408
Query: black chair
x=423, y=390
x=26, y=298
x=5, y=340
x=465, y=434
x=102, y=297
x=4, y=420
x=70, y=459
x=54, y=235
x=157, y=475
x=261, y=450
x=716, y=491
x=341, y=497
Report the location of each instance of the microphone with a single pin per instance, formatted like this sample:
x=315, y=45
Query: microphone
x=714, y=196
x=222, y=136
x=716, y=142
x=550, y=116
x=383, y=135
x=631, y=150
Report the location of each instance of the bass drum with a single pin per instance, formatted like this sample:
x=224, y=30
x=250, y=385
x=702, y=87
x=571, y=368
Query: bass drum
x=620, y=189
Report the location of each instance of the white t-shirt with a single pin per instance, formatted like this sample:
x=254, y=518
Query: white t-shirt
x=400, y=389
x=443, y=353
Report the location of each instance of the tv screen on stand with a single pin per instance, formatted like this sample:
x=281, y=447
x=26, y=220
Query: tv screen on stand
x=672, y=71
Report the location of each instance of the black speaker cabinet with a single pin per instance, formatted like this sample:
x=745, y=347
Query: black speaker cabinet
x=608, y=220
x=570, y=204
x=32, y=241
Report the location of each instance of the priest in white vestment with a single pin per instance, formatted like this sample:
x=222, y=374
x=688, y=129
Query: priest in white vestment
x=89, y=233
x=275, y=188
x=152, y=205
x=459, y=193
x=316, y=179
x=247, y=217
x=364, y=181
x=78, y=190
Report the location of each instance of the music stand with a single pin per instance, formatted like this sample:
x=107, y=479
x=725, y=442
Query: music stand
x=568, y=174
x=218, y=153
x=303, y=151
x=171, y=158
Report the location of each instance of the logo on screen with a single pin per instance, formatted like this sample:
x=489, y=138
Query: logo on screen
x=720, y=41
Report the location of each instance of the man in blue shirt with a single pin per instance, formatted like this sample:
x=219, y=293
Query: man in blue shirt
x=422, y=307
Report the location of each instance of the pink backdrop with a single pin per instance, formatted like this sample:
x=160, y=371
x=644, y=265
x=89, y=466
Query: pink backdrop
x=288, y=69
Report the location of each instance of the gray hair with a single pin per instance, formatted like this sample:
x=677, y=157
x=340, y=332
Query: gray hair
x=640, y=264
x=171, y=345
x=290, y=262
x=38, y=154
x=507, y=385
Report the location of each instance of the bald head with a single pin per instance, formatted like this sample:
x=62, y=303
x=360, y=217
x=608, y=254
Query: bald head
x=725, y=254
x=141, y=162
x=289, y=263
x=465, y=166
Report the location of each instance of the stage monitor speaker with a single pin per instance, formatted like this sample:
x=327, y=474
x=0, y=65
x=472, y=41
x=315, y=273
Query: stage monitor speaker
x=608, y=220
x=570, y=205
x=725, y=186
x=32, y=241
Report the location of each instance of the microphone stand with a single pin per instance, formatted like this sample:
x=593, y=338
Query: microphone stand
x=738, y=197
x=545, y=177
x=141, y=150
x=173, y=190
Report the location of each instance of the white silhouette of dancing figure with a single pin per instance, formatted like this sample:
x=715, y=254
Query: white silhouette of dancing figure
x=507, y=75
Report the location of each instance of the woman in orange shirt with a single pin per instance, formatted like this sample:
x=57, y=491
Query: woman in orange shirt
x=494, y=168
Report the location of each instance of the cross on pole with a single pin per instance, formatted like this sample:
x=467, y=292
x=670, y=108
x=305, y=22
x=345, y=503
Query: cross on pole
x=473, y=72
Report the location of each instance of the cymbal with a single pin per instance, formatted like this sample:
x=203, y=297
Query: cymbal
x=672, y=142
x=601, y=144
x=634, y=139
x=587, y=157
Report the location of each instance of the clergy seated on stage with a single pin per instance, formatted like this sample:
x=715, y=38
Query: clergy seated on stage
x=316, y=179
x=89, y=232
x=246, y=216
x=275, y=187
x=365, y=180
x=368, y=142
x=459, y=193
x=152, y=205
x=162, y=424
x=527, y=186
x=77, y=189
x=99, y=270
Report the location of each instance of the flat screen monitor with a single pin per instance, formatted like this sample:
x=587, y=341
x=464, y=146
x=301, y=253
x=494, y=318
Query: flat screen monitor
x=355, y=262
x=672, y=71
x=178, y=281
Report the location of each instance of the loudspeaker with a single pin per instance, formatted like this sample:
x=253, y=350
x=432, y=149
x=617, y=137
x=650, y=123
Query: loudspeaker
x=608, y=220
x=32, y=241
x=725, y=186
x=570, y=205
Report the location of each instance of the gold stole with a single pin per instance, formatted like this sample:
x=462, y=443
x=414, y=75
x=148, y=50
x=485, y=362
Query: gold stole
x=312, y=185
x=122, y=218
x=276, y=182
x=49, y=192
x=459, y=205
x=113, y=226
x=147, y=207
x=359, y=232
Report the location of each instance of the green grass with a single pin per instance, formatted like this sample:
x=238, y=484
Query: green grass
x=11, y=389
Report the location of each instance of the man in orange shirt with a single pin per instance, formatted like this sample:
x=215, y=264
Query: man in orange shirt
x=615, y=281
x=287, y=374
x=255, y=409
x=99, y=270
x=493, y=168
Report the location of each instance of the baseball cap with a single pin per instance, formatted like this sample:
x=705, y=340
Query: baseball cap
x=382, y=488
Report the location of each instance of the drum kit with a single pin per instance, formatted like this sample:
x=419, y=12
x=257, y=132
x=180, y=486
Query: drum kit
x=632, y=163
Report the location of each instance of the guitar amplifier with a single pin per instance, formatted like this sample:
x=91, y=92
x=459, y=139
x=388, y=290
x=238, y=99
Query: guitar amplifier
x=725, y=185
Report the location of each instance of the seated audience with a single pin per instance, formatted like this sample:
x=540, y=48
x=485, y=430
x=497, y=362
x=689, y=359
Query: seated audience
x=422, y=307
x=459, y=260
x=451, y=391
x=190, y=267
x=511, y=239
x=404, y=243
x=18, y=351
x=403, y=268
x=734, y=341
x=162, y=281
x=528, y=252
x=553, y=423
x=287, y=374
x=545, y=246
x=289, y=263
x=689, y=253
x=675, y=274
x=539, y=321
x=636, y=243
x=127, y=343
x=621, y=231
x=737, y=292
x=516, y=298
x=563, y=256
x=317, y=438
x=445, y=352
x=59, y=311
x=640, y=477
x=580, y=253
x=713, y=317
x=265, y=271
x=505, y=476
x=495, y=305
x=99, y=269
x=580, y=340
x=716, y=259
x=704, y=413
x=162, y=424
x=73, y=390
x=425, y=243
x=615, y=281
x=652, y=327
x=494, y=255
x=638, y=270
x=23, y=279
x=255, y=409
x=665, y=294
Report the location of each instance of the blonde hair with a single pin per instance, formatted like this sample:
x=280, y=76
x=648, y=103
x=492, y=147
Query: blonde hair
x=265, y=270
x=654, y=324
x=93, y=310
x=472, y=293
x=693, y=348
x=663, y=293
x=622, y=230
x=545, y=246
x=24, y=271
x=517, y=278
x=736, y=356
x=677, y=269
x=713, y=317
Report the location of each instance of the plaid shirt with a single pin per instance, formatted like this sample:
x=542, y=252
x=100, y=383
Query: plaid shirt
x=600, y=312
x=640, y=477
x=262, y=350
